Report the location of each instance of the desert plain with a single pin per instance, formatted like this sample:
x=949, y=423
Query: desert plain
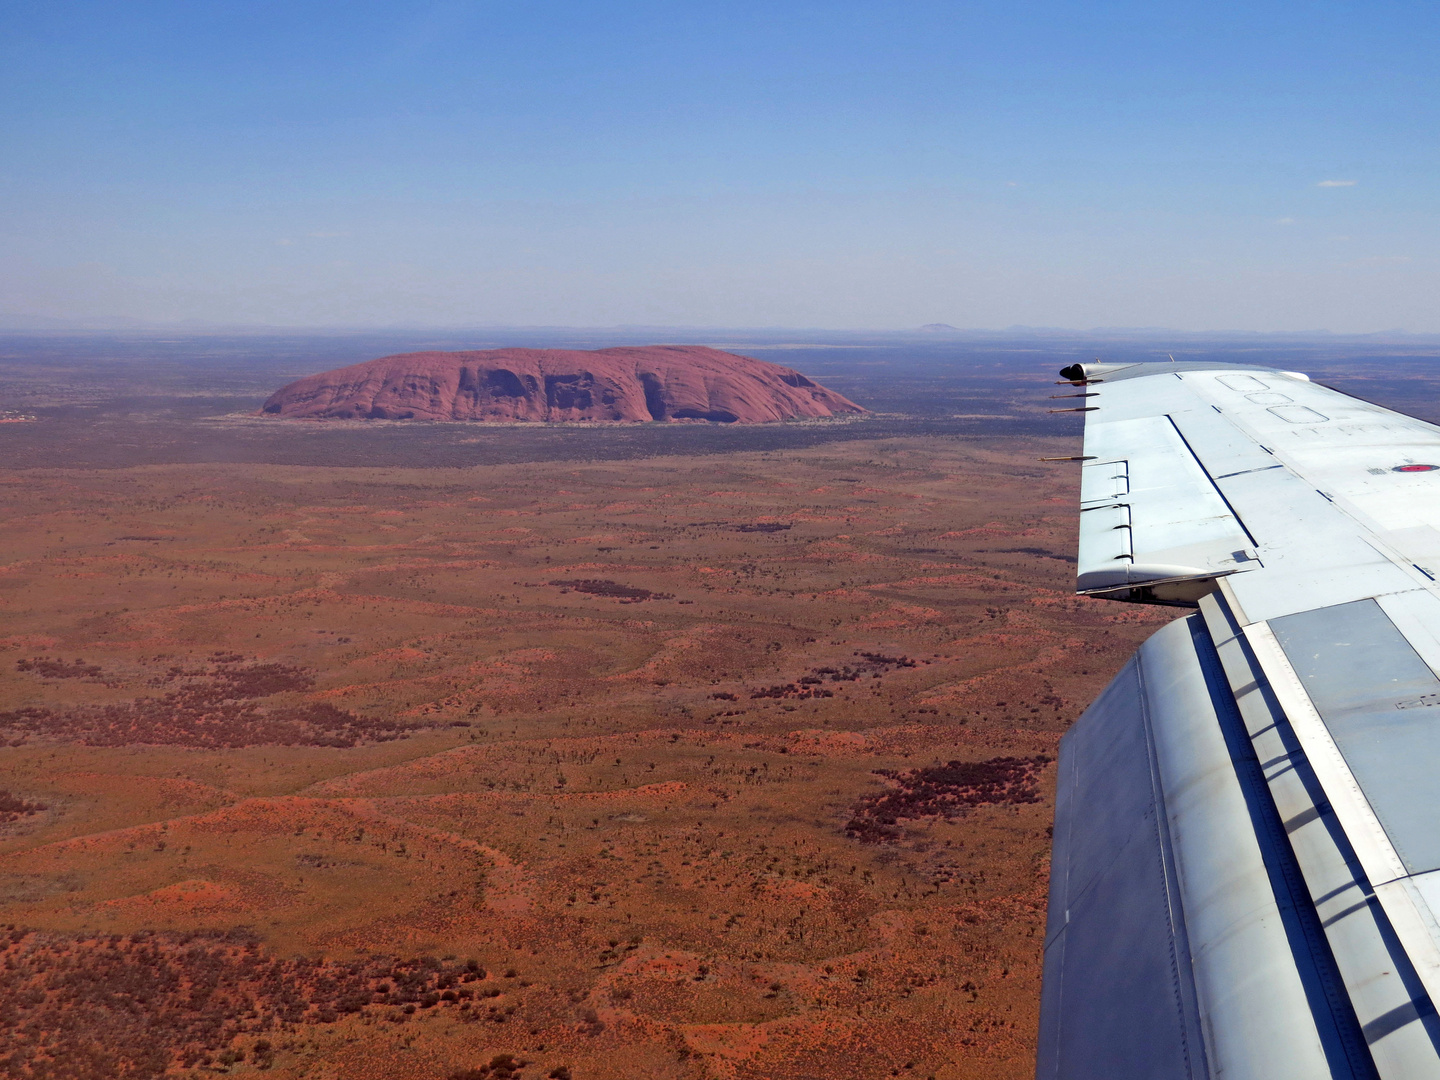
x=697, y=761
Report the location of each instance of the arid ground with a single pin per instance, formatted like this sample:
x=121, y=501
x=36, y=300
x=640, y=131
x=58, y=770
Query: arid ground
x=689, y=761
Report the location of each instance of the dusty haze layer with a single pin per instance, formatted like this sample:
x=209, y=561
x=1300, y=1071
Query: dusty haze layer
x=652, y=382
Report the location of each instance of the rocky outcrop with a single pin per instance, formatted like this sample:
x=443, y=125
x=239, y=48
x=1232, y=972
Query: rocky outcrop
x=652, y=382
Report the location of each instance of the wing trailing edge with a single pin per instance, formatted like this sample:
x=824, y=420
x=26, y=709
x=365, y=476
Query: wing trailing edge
x=1151, y=518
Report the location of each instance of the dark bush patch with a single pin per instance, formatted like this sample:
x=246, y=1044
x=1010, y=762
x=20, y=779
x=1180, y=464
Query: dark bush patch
x=13, y=807
x=791, y=691
x=214, y=706
x=262, y=680
x=48, y=668
x=763, y=527
x=500, y=1067
x=92, y=1007
x=887, y=661
x=943, y=791
x=601, y=587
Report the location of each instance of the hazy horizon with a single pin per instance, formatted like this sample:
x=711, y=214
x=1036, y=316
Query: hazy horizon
x=199, y=327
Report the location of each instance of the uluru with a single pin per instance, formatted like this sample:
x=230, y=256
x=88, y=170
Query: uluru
x=632, y=383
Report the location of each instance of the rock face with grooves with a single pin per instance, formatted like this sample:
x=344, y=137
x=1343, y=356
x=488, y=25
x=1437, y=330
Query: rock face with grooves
x=652, y=382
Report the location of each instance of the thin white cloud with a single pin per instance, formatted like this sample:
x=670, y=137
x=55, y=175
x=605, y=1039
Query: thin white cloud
x=1285, y=221
x=1336, y=183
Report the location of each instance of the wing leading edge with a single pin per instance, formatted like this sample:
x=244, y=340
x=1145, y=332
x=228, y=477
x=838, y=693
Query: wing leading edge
x=1246, y=871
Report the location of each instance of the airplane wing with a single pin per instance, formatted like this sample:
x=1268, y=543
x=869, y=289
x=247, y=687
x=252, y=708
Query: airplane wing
x=1245, y=880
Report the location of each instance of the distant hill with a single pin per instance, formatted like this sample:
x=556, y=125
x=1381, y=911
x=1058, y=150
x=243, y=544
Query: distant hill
x=652, y=382
x=940, y=328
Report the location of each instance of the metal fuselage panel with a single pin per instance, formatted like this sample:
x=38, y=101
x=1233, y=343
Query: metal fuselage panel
x=1167, y=951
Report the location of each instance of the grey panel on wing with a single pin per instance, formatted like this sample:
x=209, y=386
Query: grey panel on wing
x=1149, y=513
x=1377, y=999
x=1118, y=996
x=1167, y=954
x=1381, y=704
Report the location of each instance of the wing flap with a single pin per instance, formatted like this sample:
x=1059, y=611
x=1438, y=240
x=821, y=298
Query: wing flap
x=1150, y=513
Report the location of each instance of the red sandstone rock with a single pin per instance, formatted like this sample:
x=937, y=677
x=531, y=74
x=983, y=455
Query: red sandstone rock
x=651, y=382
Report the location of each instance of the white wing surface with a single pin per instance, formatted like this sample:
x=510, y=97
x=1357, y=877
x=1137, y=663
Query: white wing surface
x=1246, y=871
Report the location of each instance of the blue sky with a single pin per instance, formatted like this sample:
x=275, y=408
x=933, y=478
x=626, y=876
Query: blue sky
x=1257, y=166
